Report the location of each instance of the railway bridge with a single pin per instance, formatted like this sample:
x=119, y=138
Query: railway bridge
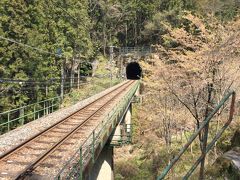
x=78, y=146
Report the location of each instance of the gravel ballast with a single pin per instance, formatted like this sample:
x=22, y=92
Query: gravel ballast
x=21, y=134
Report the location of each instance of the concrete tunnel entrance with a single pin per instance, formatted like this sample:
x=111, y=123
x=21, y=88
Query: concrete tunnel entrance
x=133, y=71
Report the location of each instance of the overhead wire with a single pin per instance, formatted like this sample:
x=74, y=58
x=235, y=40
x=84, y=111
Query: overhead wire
x=9, y=81
x=46, y=86
x=36, y=81
x=25, y=90
x=28, y=46
x=36, y=48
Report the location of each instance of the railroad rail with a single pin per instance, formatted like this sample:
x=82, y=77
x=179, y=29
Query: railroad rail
x=45, y=152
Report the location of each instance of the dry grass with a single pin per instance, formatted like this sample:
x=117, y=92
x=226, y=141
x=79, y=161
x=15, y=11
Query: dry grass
x=182, y=68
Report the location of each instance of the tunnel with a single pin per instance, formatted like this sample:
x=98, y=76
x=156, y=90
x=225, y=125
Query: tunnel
x=86, y=69
x=133, y=71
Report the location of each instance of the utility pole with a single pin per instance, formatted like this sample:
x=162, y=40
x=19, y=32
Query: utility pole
x=111, y=63
x=62, y=80
x=59, y=53
x=79, y=69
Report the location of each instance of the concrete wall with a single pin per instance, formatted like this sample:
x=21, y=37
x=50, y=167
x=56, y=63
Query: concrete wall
x=103, y=167
x=128, y=119
x=117, y=133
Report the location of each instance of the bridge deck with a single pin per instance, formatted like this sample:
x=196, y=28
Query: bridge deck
x=39, y=156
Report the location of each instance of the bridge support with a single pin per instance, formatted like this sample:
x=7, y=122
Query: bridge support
x=123, y=131
x=117, y=133
x=128, y=120
x=103, y=167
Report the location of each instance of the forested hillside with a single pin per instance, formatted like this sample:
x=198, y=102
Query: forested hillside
x=44, y=43
x=80, y=31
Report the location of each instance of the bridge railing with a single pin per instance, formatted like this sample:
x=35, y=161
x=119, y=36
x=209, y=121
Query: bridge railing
x=206, y=147
x=74, y=168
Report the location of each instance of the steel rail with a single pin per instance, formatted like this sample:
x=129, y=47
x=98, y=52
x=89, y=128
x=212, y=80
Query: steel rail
x=6, y=154
x=31, y=167
x=98, y=134
x=20, y=146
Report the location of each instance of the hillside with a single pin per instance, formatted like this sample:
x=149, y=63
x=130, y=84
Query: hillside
x=48, y=47
x=173, y=77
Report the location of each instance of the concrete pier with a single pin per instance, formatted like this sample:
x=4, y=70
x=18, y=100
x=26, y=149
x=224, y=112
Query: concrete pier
x=103, y=167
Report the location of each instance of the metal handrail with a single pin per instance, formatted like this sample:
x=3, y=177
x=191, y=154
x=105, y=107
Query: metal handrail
x=193, y=137
x=30, y=112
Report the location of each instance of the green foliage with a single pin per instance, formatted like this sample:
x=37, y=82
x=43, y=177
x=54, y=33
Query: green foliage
x=83, y=30
x=47, y=25
x=94, y=86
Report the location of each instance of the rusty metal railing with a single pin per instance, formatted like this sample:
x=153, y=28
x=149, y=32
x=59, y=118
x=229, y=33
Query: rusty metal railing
x=208, y=147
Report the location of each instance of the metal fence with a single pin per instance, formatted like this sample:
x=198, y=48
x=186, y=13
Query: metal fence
x=22, y=115
x=14, y=118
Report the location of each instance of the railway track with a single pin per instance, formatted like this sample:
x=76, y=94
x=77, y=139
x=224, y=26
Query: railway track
x=47, y=150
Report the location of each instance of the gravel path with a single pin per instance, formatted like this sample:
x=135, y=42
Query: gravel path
x=19, y=135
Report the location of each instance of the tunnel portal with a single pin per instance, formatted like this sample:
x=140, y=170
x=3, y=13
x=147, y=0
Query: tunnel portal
x=86, y=69
x=133, y=71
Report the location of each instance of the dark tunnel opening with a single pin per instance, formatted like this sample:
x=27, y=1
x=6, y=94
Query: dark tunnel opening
x=133, y=71
x=86, y=69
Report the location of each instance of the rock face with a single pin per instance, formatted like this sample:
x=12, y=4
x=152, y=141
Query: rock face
x=228, y=165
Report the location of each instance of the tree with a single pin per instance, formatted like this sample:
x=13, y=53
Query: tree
x=47, y=26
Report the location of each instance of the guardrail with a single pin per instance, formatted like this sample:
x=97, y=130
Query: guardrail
x=19, y=116
x=208, y=147
x=24, y=114
x=74, y=168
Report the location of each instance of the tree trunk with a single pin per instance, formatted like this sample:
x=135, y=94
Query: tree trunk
x=72, y=73
x=205, y=132
x=215, y=145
